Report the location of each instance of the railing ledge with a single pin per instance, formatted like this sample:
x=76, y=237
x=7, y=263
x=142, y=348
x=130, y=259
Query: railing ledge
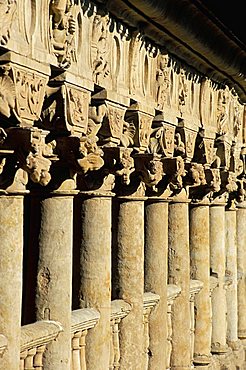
x=119, y=309
x=83, y=319
x=39, y=333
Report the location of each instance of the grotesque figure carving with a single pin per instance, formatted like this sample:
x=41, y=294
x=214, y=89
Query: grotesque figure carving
x=100, y=48
x=163, y=81
x=63, y=28
x=222, y=113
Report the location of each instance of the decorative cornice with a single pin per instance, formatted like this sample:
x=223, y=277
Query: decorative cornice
x=201, y=41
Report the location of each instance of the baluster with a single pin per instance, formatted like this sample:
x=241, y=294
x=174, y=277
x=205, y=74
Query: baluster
x=111, y=361
x=23, y=356
x=82, y=349
x=192, y=328
x=169, y=335
x=116, y=344
x=38, y=358
x=29, y=359
x=76, y=350
x=146, y=337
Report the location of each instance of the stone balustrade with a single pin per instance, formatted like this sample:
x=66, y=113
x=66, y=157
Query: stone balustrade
x=3, y=345
x=82, y=320
x=150, y=301
x=195, y=287
x=119, y=310
x=173, y=292
x=35, y=340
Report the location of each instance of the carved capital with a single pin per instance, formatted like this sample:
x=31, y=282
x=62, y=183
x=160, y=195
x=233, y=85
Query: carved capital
x=185, y=143
x=22, y=94
x=142, y=122
x=150, y=168
x=162, y=139
x=65, y=108
x=223, y=146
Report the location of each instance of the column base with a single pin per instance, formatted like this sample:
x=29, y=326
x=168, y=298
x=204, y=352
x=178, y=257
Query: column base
x=202, y=360
x=219, y=349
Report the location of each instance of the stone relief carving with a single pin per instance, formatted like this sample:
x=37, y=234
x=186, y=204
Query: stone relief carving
x=182, y=90
x=7, y=11
x=62, y=29
x=222, y=112
x=66, y=109
x=22, y=93
x=100, y=48
x=163, y=82
x=152, y=173
x=162, y=139
x=125, y=166
x=89, y=152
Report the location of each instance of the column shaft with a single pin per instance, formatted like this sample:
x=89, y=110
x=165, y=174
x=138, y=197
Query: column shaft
x=130, y=240
x=241, y=264
x=11, y=253
x=156, y=248
x=217, y=265
x=95, y=288
x=200, y=270
x=179, y=274
x=231, y=272
x=54, y=286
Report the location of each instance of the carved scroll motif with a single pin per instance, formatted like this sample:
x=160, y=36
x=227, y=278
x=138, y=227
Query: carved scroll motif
x=7, y=11
x=63, y=14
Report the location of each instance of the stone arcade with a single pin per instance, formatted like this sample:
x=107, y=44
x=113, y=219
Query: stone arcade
x=123, y=187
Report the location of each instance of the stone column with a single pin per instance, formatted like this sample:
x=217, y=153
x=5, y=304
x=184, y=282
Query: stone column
x=200, y=270
x=241, y=265
x=11, y=253
x=130, y=266
x=231, y=273
x=54, y=279
x=179, y=274
x=95, y=262
x=156, y=248
x=217, y=265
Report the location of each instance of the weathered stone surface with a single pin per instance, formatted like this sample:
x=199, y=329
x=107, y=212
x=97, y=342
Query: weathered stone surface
x=11, y=253
x=95, y=285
